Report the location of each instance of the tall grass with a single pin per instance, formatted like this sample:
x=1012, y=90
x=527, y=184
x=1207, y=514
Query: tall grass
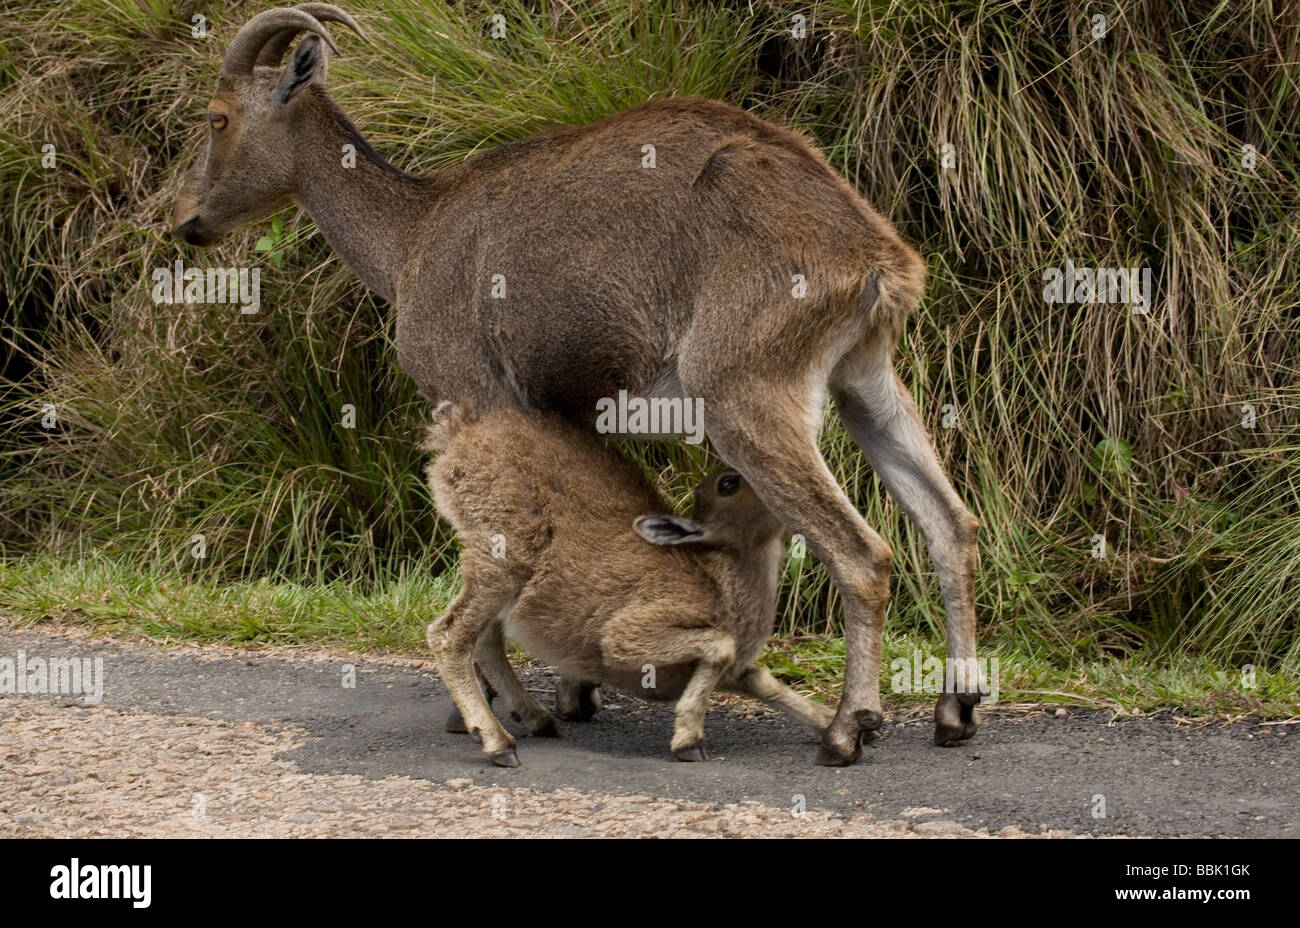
x=1065, y=421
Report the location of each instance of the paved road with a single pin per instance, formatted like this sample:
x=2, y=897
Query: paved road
x=1036, y=771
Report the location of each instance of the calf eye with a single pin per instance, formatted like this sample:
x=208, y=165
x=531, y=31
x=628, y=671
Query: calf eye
x=217, y=121
x=728, y=485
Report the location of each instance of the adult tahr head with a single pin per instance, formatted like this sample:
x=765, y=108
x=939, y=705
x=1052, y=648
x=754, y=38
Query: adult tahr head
x=246, y=167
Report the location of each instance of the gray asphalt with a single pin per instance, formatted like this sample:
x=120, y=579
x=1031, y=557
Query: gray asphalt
x=1035, y=771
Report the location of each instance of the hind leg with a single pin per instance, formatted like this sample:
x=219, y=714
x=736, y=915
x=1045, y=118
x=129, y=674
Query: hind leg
x=455, y=721
x=879, y=413
x=492, y=660
x=453, y=639
x=769, y=434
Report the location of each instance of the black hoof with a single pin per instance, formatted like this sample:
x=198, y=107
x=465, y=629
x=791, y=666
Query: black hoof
x=506, y=758
x=547, y=729
x=954, y=718
x=456, y=723
x=692, y=753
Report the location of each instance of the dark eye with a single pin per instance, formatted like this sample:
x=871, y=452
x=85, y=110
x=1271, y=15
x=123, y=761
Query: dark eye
x=728, y=485
x=217, y=121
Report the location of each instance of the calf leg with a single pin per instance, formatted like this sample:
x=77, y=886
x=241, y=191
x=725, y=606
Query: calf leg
x=635, y=638
x=453, y=639
x=576, y=700
x=758, y=683
x=492, y=660
x=456, y=722
x=879, y=413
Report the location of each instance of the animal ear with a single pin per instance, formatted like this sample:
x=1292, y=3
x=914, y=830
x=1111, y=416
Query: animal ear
x=306, y=66
x=669, y=530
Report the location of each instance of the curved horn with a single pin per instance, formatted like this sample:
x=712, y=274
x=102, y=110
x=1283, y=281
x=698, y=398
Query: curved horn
x=261, y=29
x=272, y=52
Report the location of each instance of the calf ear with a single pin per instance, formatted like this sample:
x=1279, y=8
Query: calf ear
x=669, y=530
x=306, y=66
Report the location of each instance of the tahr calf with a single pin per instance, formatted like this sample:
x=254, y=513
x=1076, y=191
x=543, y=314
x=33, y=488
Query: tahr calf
x=568, y=550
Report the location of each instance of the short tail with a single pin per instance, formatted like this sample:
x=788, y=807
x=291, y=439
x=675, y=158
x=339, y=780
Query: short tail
x=448, y=419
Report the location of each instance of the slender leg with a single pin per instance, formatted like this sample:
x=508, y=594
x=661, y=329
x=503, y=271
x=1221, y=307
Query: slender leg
x=455, y=722
x=636, y=637
x=758, y=683
x=879, y=413
x=771, y=439
x=453, y=639
x=688, y=726
x=495, y=665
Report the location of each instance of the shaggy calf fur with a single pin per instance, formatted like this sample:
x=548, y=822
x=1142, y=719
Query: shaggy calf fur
x=569, y=551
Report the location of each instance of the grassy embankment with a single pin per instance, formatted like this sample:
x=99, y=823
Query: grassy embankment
x=1058, y=422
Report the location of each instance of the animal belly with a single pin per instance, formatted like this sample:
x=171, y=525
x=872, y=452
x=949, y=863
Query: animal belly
x=581, y=661
x=578, y=662
x=649, y=682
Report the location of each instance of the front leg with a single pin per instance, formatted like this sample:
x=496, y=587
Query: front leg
x=717, y=653
x=634, y=639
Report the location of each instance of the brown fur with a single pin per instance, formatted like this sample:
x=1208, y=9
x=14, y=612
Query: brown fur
x=671, y=280
x=546, y=518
